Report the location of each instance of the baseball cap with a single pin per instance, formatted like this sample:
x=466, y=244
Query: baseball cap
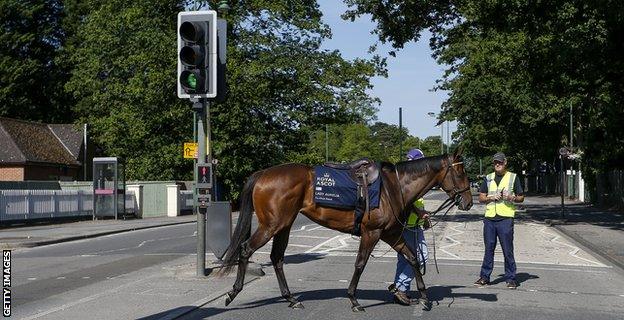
x=499, y=156
x=415, y=154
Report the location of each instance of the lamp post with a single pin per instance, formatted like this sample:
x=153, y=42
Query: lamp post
x=434, y=115
x=326, y=143
x=400, y=132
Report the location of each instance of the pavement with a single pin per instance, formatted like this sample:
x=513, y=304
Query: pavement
x=598, y=230
x=34, y=235
x=171, y=290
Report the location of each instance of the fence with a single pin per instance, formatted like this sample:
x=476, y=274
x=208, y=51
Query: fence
x=551, y=184
x=17, y=205
x=610, y=189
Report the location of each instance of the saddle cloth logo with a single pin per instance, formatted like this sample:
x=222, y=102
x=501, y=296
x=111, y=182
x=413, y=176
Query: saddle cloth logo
x=325, y=181
x=334, y=188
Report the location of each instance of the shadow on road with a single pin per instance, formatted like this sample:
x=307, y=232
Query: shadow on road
x=445, y=294
x=520, y=278
x=436, y=293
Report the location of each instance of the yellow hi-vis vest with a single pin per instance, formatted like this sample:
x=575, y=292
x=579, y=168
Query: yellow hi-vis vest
x=502, y=208
x=413, y=220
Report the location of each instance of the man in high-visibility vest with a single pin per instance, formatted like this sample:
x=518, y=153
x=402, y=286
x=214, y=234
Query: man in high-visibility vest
x=499, y=191
x=414, y=237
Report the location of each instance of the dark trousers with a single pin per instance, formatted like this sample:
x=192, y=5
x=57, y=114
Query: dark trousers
x=503, y=230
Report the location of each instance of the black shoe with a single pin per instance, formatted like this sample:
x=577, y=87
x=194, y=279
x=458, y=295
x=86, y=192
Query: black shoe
x=481, y=282
x=512, y=284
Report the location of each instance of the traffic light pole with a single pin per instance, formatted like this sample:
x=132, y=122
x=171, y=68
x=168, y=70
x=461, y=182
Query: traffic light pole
x=200, y=108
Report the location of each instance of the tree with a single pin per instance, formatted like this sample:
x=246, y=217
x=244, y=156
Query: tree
x=283, y=88
x=123, y=73
x=30, y=79
x=515, y=68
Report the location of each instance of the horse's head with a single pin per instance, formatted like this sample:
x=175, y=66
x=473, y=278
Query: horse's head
x=455, y=181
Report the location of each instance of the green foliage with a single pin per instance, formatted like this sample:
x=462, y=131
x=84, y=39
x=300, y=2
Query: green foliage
x=123, y=81
x=118, y=74
x=30, y=79
x=379, y=142
x=283, y=87
x=516, y=68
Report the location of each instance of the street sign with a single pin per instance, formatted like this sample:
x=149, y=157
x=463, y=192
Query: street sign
x=190, y=150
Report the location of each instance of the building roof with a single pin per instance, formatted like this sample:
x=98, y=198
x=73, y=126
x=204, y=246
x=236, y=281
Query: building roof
x=25, y=141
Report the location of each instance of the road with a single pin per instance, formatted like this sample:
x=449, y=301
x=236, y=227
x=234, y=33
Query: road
x=558, y=280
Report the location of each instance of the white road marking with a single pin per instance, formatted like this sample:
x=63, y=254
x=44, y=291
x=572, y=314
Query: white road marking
x=455, y=242
x=343, y=244
x=86, y=277
x=61, y=278
x=303, y=228
x=31, y=279
x=574, y=251
x=525, y=265
x=140, y=244
x=323, y=244
x=299, y=245
x=306, y=236
x=318, y=227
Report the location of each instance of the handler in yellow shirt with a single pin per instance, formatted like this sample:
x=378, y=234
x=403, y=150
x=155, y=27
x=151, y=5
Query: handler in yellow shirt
x=414, y=236
x=499, y=191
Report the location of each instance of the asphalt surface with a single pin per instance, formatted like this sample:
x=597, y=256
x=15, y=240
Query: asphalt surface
x=150, y=272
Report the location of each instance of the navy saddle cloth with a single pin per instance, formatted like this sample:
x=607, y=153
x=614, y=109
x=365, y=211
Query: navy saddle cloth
x=335, y=188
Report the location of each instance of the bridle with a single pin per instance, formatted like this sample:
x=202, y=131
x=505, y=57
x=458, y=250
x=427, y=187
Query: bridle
x=455, y=198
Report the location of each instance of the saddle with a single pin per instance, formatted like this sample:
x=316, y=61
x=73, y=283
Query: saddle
x=363, y=172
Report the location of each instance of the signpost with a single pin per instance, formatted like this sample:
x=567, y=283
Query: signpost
x=201, y=79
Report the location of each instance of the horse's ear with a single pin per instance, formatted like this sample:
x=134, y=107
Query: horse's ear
x=458, y=152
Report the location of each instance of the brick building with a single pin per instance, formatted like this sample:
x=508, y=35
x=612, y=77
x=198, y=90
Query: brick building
x=38, y=151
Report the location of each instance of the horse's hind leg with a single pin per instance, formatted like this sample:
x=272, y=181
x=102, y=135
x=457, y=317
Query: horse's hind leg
x=367, y=243
x=257, y=240
x=280, y=241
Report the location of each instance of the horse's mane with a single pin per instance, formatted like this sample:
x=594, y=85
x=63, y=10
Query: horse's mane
x=419, y=166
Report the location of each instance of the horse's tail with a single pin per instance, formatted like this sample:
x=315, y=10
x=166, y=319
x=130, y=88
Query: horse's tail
x=242, y=232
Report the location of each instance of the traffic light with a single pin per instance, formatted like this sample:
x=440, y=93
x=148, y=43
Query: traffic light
x=197, y=54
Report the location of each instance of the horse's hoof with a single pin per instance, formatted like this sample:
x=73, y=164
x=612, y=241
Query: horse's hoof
x=357, y=309
x=228, y=299
x=296, y=305
x=426, y=304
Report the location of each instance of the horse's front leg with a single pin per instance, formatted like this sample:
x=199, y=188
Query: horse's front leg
x=367, y=244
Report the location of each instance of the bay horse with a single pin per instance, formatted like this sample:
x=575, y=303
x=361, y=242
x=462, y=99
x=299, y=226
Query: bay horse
x=279, y=193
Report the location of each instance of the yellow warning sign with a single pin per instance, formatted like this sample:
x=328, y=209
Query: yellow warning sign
x=190, y=150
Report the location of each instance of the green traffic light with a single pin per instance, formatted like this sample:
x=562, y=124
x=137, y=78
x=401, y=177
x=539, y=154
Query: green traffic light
x=191, y=81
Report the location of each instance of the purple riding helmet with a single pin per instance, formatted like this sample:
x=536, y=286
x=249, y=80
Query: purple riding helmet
x=415, y=154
